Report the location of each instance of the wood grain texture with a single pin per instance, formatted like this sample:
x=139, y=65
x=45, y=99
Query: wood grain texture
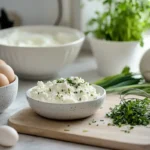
x=79, y=131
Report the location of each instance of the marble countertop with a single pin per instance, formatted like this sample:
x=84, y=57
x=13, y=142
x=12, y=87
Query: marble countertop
x=85, y=67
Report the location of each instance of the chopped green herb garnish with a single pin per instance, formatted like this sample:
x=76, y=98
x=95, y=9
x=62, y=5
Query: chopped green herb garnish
x=109, y=124
x=60, y=81
x=70, y=82
x=85, y=130
x=66, y=130
x=91, y=94
x=101, y=120
x=50, y=89
x=89, y=123
x=68, y=90
x=126, y=131
x=81, y=91
x=120, y=125
x=93, y=121
x=79, y=99
x=131, y=112
x=131, y=127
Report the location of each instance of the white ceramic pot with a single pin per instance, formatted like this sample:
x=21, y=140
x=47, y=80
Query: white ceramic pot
x=112, y=57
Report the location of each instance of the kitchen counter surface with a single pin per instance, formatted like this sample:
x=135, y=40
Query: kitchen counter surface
x=85, y=67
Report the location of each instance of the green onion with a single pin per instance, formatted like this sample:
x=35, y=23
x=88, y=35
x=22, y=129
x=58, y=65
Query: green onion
x=126, y=80
x=116, y=80
x=123, y=88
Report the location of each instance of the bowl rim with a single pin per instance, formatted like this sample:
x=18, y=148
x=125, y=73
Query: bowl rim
x=80, y=39
x=16, y=79
x=101, y=96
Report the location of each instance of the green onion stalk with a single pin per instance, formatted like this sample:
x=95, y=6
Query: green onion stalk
x=124, y=81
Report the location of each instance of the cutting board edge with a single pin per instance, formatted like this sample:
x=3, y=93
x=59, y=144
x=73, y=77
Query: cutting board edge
x=77, y=138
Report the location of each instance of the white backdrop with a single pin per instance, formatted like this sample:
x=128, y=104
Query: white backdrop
x=37, y=11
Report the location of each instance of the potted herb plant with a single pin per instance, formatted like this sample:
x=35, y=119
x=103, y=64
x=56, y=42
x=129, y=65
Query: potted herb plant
x=117, y=34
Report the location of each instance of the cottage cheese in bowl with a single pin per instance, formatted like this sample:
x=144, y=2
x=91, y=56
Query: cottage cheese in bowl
x=70, y=90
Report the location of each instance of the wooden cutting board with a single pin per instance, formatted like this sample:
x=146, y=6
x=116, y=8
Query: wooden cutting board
x=84, y=131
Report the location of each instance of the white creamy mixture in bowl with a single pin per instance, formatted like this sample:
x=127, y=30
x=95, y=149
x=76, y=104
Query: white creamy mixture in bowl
x=66, y=99
x=23, y=38
x=70, y=90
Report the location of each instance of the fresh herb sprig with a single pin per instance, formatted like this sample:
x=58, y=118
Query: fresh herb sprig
x=124, y=20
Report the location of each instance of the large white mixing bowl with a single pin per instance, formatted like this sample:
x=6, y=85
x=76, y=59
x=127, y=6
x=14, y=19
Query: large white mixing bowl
x=41, y=62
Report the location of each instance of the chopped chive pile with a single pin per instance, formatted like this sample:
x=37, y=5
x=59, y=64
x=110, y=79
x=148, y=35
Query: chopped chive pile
x=132, y=112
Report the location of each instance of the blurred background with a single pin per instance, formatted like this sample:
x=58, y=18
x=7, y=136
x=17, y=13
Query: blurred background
x=33, y=12
x=46, y=12
x=117, y=42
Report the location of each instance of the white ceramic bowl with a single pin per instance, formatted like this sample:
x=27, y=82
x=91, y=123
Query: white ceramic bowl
x=67, y=111
x=41, y=62
x=8, y=94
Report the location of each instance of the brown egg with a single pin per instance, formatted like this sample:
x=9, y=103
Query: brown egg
x=3, y=80
x=8, y=72
x=2, y=62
